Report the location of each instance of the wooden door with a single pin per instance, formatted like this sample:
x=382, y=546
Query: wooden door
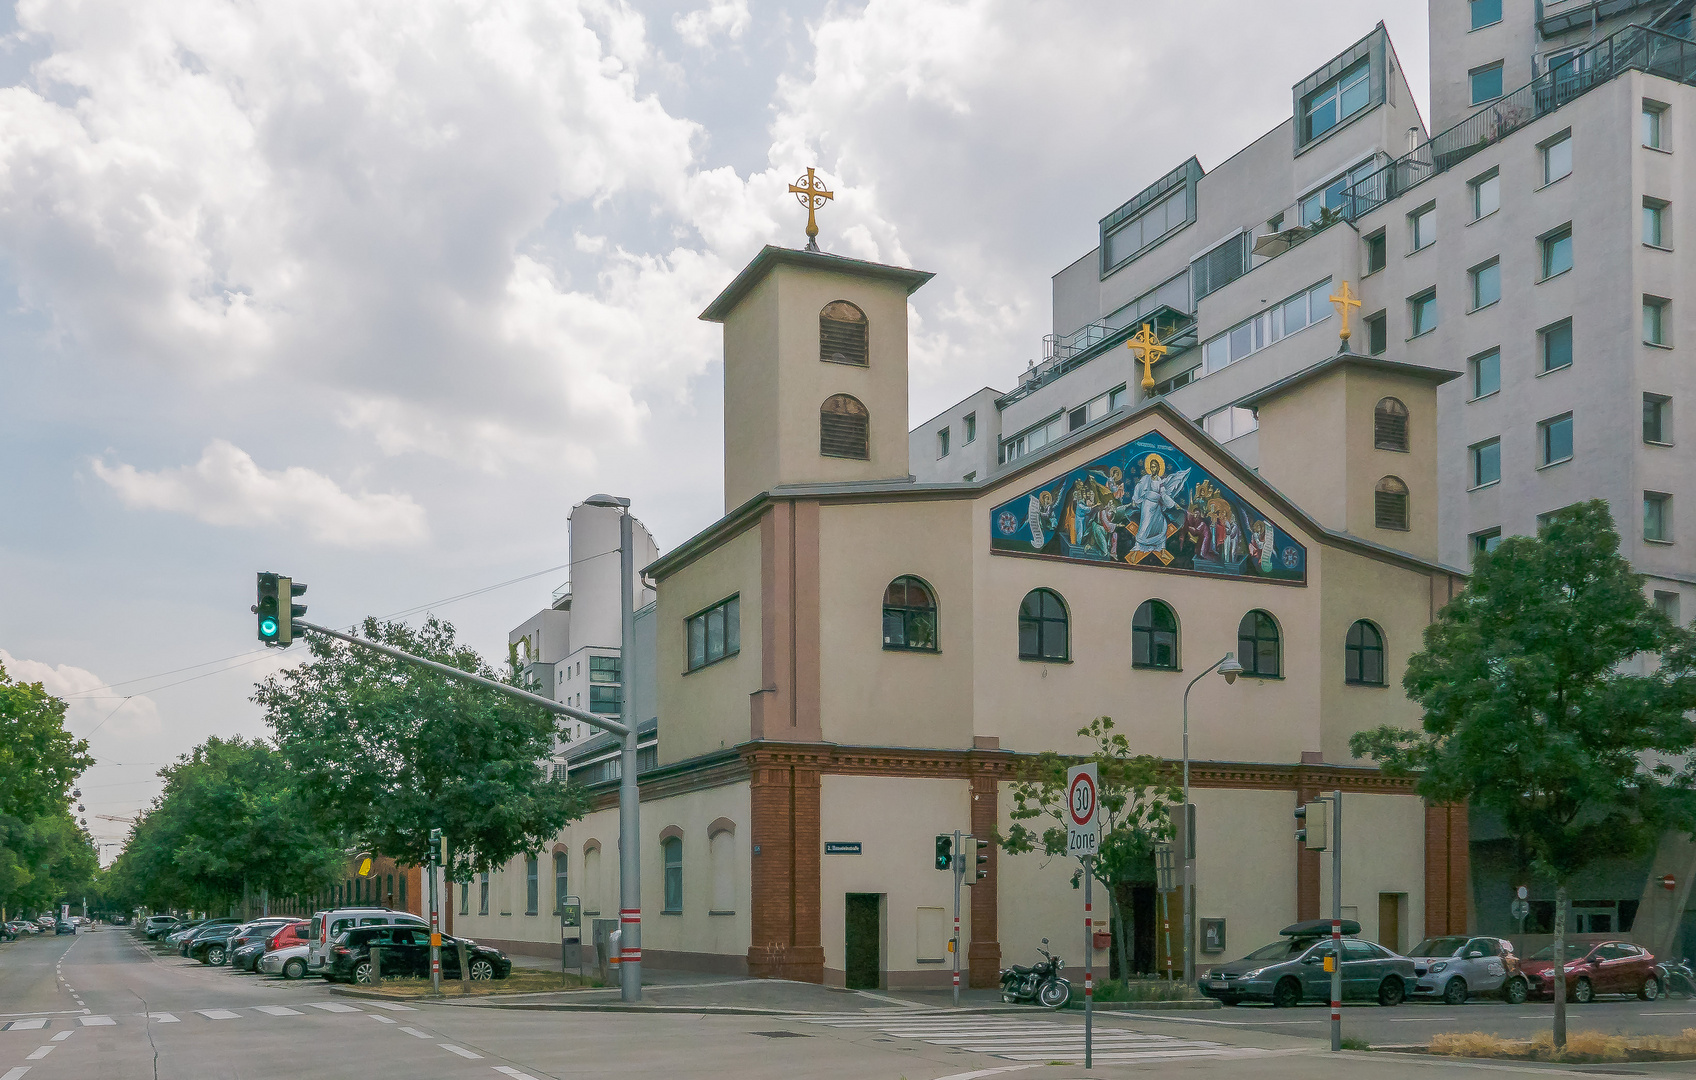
x=1390, y=921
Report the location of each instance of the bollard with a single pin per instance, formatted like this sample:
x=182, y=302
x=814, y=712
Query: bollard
x=464, y=968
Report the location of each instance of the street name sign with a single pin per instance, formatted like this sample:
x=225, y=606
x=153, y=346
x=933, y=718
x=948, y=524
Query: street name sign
x=1083, y=803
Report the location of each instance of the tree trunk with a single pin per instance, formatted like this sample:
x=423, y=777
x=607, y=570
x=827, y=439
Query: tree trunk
x=1124, y=936
x=1559, y=970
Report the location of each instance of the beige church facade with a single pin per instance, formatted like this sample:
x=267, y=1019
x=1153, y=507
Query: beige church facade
x=850, y=663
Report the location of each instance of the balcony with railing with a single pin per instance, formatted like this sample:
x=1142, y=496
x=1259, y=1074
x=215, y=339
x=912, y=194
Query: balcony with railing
x=1635, y=48
x=1065, y=352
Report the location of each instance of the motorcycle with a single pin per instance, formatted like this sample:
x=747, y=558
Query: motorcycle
x=1677, y=978
x=1040, y=983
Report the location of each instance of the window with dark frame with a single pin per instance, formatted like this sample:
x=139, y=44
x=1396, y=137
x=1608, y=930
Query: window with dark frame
x=1486, y=193
x=1557, y=158
x=671, y=849
x=942, y=443
x=842, y=334
x=605, y=669
x=1554, y=440
x=1377, y=252
x=1154, y=636
x=532, y=886
x=1337, y=100
x=1486, y=370
x=1044, y=632
x=1486, y=462
x=606, y=700
x=1486, y=541
x=1556, y=345
x=1422, y=311
x=715, y=633
x=1556, y=248
x=483, y=894
x=909, y=616
x=1657, y=517
x=1389, y=425
x=562, y=886
x=1422, y=227
x=1377, y=333
x=1653, y=113
x=1258, y=646
x=1389, y=504
x=844, y=428
x=1485, y=83
x=1486, y=284
x=1655, y=222
x=1654, y=320
x=1363, y=655
x=1657, y=419
x=971, y=423
x=1485, y=13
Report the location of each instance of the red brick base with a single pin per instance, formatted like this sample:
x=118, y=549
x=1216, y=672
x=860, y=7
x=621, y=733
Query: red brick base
x=1447, y=864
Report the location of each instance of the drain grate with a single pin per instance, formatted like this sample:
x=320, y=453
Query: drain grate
x=781, y=1034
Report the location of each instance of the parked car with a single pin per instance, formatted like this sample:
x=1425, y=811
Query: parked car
x=186, y=941
x=290, y=963
x=1609, y=967
x=327, y=924
x=158, y=926
x=249, y=943
x=1292, y=970
x=406, y=951
x=64, y=926
x=215, y=945
x=1457, y=967
x=23, y=926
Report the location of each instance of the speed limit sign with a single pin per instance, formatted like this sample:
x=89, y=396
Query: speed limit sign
x=1083, y=805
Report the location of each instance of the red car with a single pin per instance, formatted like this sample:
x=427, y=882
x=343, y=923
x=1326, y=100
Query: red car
x=1611, y=967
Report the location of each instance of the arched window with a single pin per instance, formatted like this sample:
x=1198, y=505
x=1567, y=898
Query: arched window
x=1258, y=646
x=1389, y=425
x=1389, y=504
x=483, y=894
x=844, y=428
x=1042, y=627
x=671, y=848
x=532, y=885
x=721, y=853
x=1154, y=636
x=562, y=887
x=909, y=615
x=842, y=334
x=1363, y=654
x=591, y=885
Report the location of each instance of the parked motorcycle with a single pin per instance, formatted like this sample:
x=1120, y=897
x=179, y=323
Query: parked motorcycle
x=1040, y=983
x=1677, y=977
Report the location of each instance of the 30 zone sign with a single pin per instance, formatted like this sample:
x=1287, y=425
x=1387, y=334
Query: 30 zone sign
x=1083, y=802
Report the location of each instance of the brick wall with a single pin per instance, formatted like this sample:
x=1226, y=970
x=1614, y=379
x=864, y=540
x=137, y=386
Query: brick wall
x=1447, y=866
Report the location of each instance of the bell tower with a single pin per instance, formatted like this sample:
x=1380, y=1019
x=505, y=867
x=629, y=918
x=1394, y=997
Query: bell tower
x=815, y=371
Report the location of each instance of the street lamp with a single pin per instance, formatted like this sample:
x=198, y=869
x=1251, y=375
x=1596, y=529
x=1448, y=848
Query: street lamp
x=1227, y=666
x=629, y=805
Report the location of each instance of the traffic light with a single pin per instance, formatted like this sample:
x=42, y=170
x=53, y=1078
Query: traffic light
x=286, y=600
x=438, y=847
x=983, y=859
x=1312, y=820
x=944, y=851
x=270, y=623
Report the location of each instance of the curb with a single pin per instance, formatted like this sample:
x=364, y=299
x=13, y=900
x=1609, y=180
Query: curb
x=1204, y=1005
x=620, y=1007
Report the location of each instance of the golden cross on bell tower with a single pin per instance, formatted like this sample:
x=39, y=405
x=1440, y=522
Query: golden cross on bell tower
x=1344, y=300
x=810, y=191
x=1145, y=343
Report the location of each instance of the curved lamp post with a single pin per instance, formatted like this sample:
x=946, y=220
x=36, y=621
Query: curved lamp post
x=1227, y=666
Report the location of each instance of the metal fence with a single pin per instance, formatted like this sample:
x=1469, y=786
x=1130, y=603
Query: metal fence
x=1635, y=48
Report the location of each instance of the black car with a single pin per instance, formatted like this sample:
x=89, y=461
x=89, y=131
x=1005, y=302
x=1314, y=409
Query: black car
x=64, y=926
x=406, y=951
x=210, y=926
x=214, y=945
x=237, y=943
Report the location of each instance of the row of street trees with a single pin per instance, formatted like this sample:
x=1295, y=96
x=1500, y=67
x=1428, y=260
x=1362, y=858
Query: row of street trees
x=45, y=857
x=367, y=753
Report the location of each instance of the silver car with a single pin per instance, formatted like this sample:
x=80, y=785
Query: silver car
x=290, y=963
x=1458, y=967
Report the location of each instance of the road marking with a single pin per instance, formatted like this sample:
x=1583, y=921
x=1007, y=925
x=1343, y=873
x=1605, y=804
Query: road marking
x=415, y=1033
x=331, y=1006
x=218, y=1014
x=14, y=1074
x=990, y=1072
x=381, y=1019
x=40, y=1052
x=461, y=1051
x=277, y=1010
x=96, y=1021
x=1039, y=1041
x=27, y=1025
x=514, y=1073
x=163, y=1018
x=63, y=1035
x=1420, y=1019
x=392, y=1008
x=54, y=1012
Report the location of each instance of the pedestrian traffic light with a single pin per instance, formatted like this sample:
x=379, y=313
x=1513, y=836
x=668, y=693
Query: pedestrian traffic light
x=1312, y=821
x=270, y=624
x=983, y=859
x=944, y=851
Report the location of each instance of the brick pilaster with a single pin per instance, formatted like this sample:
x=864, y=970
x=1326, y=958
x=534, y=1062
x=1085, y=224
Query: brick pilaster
x=983, y=957
x=784, y=832
x=1307, y=866
x=1447, y=862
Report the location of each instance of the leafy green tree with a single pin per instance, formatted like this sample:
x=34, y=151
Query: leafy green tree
x=44, y=861
x=1541, y=705
x=39, y=760
x=1133, y=812
x=390, y=750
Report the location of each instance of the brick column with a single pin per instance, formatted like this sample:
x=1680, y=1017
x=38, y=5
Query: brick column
x=806, y=954
x=984, y=954
x=1307, y=866
x=1447, y=858
x=785, y=916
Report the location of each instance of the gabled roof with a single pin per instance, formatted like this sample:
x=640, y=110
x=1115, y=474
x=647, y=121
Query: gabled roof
x=1434, y=376
x=771, y=257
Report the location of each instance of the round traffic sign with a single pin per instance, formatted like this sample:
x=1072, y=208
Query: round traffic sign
x=1668, y=882
x=1080, y=800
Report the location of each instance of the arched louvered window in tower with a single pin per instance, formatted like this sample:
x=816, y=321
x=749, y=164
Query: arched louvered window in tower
x=844, y=428
x=1389, y=425
x=842, y=334
x=1389, y=504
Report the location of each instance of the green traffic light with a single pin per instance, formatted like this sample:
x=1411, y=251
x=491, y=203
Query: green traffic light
x=268, y=626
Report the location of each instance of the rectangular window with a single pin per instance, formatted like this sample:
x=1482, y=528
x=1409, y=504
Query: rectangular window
x=1274, y=324
x=671, y=850
x=1554, y=440
x=605, y=669
x=1555, y=345
x=1486, y=370
x=715, y=633
x=1377, y=333
x=1377, y=252
x=1666, y=603
x=465, y=898
x=1486, y=462
x=532, y=887
x=1556, y=248
x=1486, y=541
x=971, y=422
x=1422, y=313
x=606, y=700
x=1654, y=320
x=1485, y=13
x=1115, y=398
x=942, y=443
x=1657, y=419
x=1657, y=517
x=1486, y=284
x=1557, y=157
x=483, y=894
x=1130, y=239
x=1230, y=422
x=1655, y=223
x=562, y=887
x=1335, y=102
x=1486, y=82
x=1653, y=113
x=1486, y=194
x=1422, y=227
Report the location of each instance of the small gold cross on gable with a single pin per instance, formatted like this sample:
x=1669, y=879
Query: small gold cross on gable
x=810, y=191
x=1148, y=351
x=1344, y=300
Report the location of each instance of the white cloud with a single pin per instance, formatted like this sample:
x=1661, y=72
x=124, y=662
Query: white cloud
x=109, y=716
x=226, y=487
x=699, y=27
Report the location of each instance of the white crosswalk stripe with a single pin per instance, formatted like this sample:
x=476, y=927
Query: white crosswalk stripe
x=1018, y=1039
x=276, y=1010
x=304, y=1008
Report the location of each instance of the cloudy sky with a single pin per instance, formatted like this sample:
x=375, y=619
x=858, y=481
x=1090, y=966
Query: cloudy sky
x=372, y=291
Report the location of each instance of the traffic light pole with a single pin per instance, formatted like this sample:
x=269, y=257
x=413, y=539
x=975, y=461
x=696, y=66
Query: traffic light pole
x=954, y=946
x=1336, y=845
x=629, y=807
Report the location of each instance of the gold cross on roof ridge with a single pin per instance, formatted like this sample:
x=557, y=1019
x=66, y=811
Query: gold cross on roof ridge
x=1145, y=345
x=1344, y=300
x=810, y=191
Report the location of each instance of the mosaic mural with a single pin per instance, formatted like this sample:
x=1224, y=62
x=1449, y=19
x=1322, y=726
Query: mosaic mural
x=1147, y=504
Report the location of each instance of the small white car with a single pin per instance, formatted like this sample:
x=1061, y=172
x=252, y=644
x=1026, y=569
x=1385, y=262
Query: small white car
x=290, y=963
